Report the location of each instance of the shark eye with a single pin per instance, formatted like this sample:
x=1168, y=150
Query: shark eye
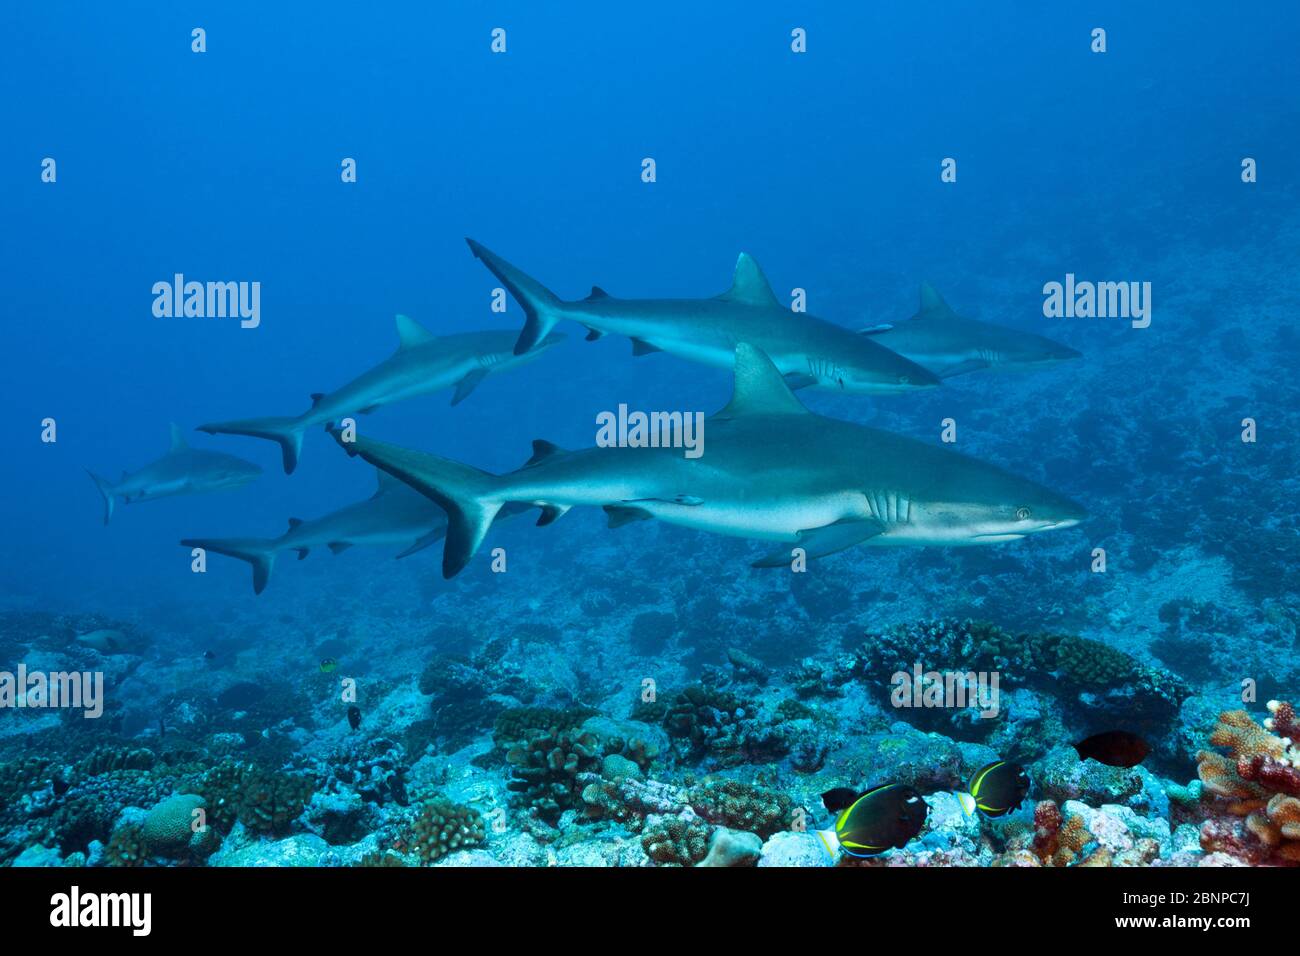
x=1022, y=513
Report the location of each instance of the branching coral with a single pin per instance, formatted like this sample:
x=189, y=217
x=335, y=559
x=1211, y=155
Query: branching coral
x=1254, y=791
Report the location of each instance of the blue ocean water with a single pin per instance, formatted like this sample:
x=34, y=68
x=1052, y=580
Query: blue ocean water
x=824, y=165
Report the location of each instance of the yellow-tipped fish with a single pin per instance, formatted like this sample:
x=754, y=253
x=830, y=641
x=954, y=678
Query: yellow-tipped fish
x=873, y=822
x=995, y=789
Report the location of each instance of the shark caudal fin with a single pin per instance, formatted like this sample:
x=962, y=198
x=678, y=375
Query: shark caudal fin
x=542, y=307
x=286, y=432
x=106, y=489
x=259, y=552
x=465, y=493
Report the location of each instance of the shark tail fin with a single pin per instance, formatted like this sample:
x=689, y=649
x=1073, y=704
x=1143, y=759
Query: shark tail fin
x=542, y=307
x=259, y=552
x=469, y=496
x=286, y=432
x=106, y=489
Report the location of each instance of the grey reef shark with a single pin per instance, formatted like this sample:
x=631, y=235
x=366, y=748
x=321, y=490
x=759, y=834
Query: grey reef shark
x=423, y=363
x=773, y=470
x=182, y=471
x=394, y=515
x=809, y=351
x=948, y=345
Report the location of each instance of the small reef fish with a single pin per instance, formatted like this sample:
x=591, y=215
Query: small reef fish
x=995, y=789
x=884, y=817
x=328, y=665
x=1115, y=748
x=354, y=716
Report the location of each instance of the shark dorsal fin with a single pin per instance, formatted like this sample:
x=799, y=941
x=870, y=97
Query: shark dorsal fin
x=932, y=302
x=543, y=450
x=760, y=387
x=294, y=522
x=411, y=333
x=749, y=285
x=316, y=397
x=597, y=293
x=178, y=439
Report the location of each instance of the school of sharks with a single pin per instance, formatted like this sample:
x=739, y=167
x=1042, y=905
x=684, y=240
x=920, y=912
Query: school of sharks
x=773, y=471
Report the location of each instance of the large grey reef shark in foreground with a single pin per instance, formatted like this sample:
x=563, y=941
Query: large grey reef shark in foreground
x=807, y=350
x=394, y=515
x=182, y=471
x=423, y=363
x=948, y=345
x=773, y=470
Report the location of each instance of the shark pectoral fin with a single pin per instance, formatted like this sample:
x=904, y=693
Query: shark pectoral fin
x=641, y=347
x=367, y=410
x=433, y=537
x=760, y=388
x=302, y=553
x=819, y=542
x=337, y=546
x=799, y=380
x=620, y=515
x=593, y=334
x=551, y=513
x=468, y=384
x=875, y=329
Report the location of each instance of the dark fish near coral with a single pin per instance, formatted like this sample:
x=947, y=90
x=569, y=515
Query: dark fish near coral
x=872, y=822
x=328, y=665
x=1115, y=748
x=995, y=789
x=354, y=716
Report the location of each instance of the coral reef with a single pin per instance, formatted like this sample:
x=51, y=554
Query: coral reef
x=1253, y=792
x=441, y=827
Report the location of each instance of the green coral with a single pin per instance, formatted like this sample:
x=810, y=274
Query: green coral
x=168, y=828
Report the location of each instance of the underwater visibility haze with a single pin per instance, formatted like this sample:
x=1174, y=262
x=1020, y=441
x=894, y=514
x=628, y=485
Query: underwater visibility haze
x=719, y=435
